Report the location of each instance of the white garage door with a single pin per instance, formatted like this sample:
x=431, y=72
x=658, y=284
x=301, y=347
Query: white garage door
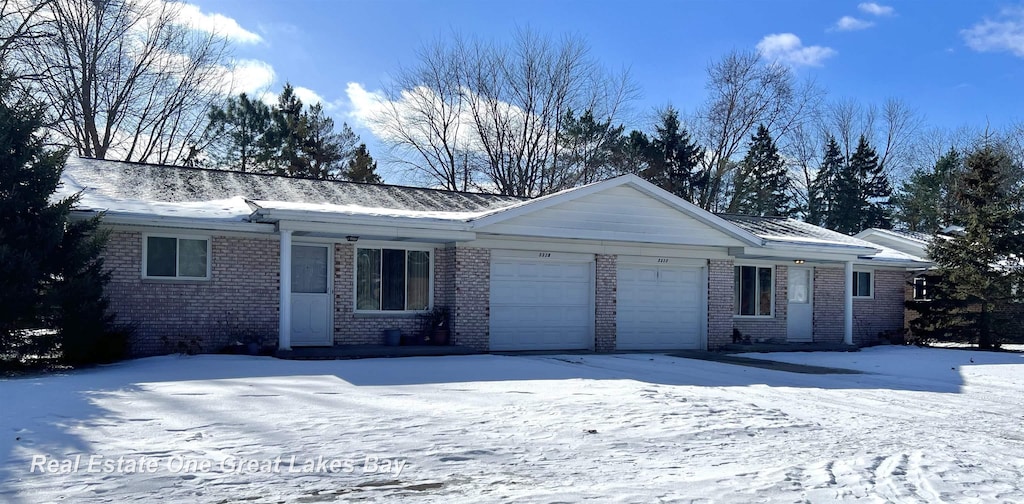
x=541, y=305
x=659, y=308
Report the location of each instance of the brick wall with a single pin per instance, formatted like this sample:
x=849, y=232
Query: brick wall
x=884, y=311
x=720, y=303
x=775, y=326
x=606, y=279
x=240, y=300
x=352, y=328
x=828, y=304
x=472, y=295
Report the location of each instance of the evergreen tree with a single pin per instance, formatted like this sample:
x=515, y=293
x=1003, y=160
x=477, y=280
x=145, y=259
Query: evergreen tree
x=925, y=202
x=822, y=190
x=862, y=193
x=362, y=167
x=240, y=134
x=975, y=288
x=587, y=149
x=633, y=154
x=50, y=269
x=324, y=150
x=761, y=185
x=673, y=165
x=289, y=135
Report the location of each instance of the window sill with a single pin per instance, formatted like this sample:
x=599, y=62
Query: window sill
x=744, y=317
x=863, y=298
x=166, y=280
x=389, y=313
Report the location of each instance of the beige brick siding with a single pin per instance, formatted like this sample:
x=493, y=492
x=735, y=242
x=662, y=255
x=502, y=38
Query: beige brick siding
x=774, y=327
x=883, y=312
x=471, y=316
x=352, y=328
x=828, y=304
x=720, y=303
x=606, y=280
x=238, y=301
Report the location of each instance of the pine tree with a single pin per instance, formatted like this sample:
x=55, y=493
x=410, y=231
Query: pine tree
x=862, y=193
x=975, y=288
x=761, y=185
x=925, y=202
x=50, y=269
x=674, y=158
x=822, y=190
x=325, y=151
x=289, y=135
x=240, y=134
x=362, y=167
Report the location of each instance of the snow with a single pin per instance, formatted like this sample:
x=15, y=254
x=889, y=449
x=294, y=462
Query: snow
x=922, y=425
x=359, y=210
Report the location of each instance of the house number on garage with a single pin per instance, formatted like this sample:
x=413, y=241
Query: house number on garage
x=544, y=254
x=662, y=260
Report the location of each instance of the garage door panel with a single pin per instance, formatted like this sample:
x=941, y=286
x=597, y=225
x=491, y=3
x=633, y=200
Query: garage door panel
x=541, y=305
x=659, y=307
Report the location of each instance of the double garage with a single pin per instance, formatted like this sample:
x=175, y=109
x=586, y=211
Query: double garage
x=546, y=301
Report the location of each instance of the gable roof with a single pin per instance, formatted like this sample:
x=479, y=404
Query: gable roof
x=629, y=180
x=783, y=229
x=135, y=188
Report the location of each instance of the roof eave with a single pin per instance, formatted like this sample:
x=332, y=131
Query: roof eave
x=269, y=215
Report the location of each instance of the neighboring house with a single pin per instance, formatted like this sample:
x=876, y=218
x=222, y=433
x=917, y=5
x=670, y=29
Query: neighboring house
x=619, y=264
x=909, y=242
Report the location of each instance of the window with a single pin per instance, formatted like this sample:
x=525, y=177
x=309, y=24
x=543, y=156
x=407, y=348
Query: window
x=172, y=257
x=862, y=284
x=392, y=279
x=920, y=289
x=753, y=290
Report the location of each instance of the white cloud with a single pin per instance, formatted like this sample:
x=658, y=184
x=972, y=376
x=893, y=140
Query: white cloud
x=220, y=24
x=249, y=76
x=876, y=9
x=787, y=48
x=309, y=97
x=850, y=23
x=1006, y=33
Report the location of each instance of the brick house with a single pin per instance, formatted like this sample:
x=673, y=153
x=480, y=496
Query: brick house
x=213, y=256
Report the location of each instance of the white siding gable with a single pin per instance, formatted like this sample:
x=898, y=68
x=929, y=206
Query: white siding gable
x=619, y=213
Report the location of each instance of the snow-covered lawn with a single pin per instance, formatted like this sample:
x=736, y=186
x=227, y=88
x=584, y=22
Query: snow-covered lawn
x=925, y=425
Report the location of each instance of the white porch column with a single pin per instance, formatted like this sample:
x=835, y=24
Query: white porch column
x=848, y=304
x=284, y=336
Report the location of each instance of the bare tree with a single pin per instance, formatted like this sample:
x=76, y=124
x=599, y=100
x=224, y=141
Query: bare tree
x=482, y=114
x=743, y=92
x=127, y=79
x=21, y=26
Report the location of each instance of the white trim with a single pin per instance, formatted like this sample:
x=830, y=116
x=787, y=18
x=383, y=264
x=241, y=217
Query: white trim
x=160, y=222
x=771, y=314
x=407, y=247
x=662, y=262
x=177, y=256
x=541, y=255
x=924, y=282
x=618, y=248
x=284, y=333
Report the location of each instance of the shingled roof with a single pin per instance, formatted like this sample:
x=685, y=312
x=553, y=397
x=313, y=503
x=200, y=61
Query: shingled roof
x=105, y=183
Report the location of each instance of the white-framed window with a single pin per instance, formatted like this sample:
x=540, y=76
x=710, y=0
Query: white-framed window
x=393, y=279
x=863, y=284
x=921, y=289
x=755, y=291
x=176, y=257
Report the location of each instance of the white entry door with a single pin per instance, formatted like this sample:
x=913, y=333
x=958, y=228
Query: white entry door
x=541, y=304
x=800, y=308
x=311, y=295
x=659, y=308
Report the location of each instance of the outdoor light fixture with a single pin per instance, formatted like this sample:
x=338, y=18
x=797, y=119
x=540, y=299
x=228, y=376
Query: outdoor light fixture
x=799, y=261
x=352, y=238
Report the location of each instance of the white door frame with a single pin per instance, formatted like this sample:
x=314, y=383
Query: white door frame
x=329, y=337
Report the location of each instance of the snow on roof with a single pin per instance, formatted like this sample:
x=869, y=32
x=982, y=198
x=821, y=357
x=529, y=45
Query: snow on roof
x=135, y=188
x=794, y=231
x=921, y=238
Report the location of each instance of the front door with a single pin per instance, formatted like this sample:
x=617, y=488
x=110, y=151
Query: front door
x=311, y=295
x=800, y=309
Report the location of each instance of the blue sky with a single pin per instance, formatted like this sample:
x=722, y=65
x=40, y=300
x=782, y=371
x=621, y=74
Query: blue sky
x=955, y=62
